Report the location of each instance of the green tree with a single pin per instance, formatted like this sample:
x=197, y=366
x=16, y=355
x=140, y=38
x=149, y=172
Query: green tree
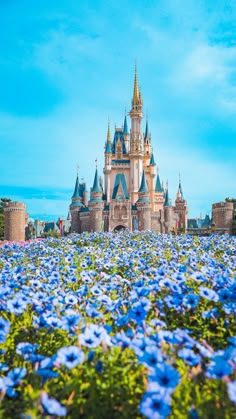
x=2, y=202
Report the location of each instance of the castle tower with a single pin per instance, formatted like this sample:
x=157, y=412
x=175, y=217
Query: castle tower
x=169, y=216
x=15, y=221
x=107, y=167
x=75, y=208
x=144, y=205
x=126, y=134
x=222, y=214
x=85, y=196
x=96, y=206
x=136, y=143
x=147, y=146
x=181, y=209
x=152, y=175
x=158, y=195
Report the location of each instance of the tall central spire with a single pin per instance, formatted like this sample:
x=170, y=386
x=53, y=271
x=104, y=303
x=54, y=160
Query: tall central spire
x=108, y=131
x=136, y=94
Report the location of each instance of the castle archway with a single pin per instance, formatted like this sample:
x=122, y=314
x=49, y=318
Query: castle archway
x=119, y=228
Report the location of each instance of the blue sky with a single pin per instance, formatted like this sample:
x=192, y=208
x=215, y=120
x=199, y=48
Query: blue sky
x=67, y=65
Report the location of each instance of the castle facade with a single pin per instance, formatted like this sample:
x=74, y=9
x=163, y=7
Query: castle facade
x=133, y=196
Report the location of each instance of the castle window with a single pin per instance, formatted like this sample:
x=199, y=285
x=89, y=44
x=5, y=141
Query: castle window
x=124, y=212
x=116, y=212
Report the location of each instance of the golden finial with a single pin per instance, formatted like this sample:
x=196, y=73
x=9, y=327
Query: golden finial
x=108, y=131
x=136, y=93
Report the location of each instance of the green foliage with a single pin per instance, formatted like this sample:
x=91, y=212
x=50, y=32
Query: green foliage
x=51, y=233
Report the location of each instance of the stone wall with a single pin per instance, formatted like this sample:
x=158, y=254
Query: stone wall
x=222, y=213
x=15, y=218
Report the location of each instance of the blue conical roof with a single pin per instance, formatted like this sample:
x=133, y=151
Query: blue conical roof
x=167, y=201
x=180, y=191
x=96, y=184
x=76, y=193
x=158, y=187
x=125, y=130
x=146, y=135
x=152, y=161
x=143, y=186
x=108, y=147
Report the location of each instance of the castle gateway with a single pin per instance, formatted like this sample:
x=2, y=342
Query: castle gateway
x=133, y=196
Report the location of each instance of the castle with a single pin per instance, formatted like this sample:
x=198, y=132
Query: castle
x=133, y=196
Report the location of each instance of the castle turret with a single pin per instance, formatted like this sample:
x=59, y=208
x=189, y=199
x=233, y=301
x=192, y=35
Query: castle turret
x=85, y=196
x=75, y=207
x=158, y=195
x=181, y=209
x=107, y=167
x=152, y=175
x=147, y=146
x=96, y=205
x=14, y=221
x=136, y=143
x=144, y=205
x=169, y=213
x=222, y=213
x=126, y=134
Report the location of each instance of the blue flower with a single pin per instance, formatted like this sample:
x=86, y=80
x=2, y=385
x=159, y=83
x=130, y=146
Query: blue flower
x=137, y=313
x=208, y=293
x=70, y=356
x=16, y=375
x=189, y=356
x=154, y=407
x=52, y=406
x=219, y=368
x=151, y=356
x=16, y=306
x=26, y=349
x=190, y=301
x=166, y=376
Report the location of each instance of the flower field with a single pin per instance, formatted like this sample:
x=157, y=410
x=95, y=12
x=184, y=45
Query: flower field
x=129, y=325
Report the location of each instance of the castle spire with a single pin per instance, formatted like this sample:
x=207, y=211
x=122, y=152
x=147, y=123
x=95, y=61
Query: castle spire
x=108, y=131
x=152, y=160
x=108, y=141
x=167, y=200
x=125, y=130
x=143, y=186
x=158, y=187
x=136, y=92
x=76, y=193
x=180, y=194
x=96, y=184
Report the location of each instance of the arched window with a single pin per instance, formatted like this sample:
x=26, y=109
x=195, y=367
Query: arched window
x=116, y=212
x=124, y=212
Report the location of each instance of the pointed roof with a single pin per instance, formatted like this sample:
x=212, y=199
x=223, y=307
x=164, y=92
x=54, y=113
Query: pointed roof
x=120, y=182
x=108, y=131
x=108, y=147
x=125, y=130
x=158, y=187
x=152, y=161
x=180, y=191
x=167, y=200
x=76, y=193
x=143, y=186
x=136, y=93
x=96, y=184
x=146, y=135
